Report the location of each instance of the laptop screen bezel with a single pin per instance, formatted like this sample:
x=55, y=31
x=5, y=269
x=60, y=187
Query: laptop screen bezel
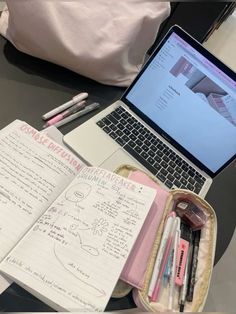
x=199, y=48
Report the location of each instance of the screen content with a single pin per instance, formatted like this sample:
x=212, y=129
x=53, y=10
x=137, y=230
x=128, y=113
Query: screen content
x=191, y=99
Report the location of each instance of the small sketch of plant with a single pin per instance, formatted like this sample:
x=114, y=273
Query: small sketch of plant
x=99, y=226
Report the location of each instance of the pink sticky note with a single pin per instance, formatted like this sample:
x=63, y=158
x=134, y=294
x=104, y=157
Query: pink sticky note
x=136, y=265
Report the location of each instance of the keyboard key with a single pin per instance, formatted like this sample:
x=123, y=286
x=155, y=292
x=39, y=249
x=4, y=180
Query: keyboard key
x=119, y=133
x=170, y=177
x=127, y=132
x=113, y=135
x=148, y=143
x=177, y=175
x=116, y=115
x=138, y=149
x=153, y=148
x=191, y=180
x=113, y=127
x=120, y=141
x=190, y=187
x=125, y=138
x=170, y=169
x=100, y=123
x=164, y=171
x=164, y=164
x=158, y=159
x=151, y=160
x=157, y=166
x=120, y=126
x=197, y=188
x=138, y=142
x=132, y=144
x=112, y=119
x=161, y=177
x=145, y=148
x=107, y=129
x=183, y=181
x=177, y=183
x=168, y=184
x=144, y=155
x=151, y=153
x=178, y=169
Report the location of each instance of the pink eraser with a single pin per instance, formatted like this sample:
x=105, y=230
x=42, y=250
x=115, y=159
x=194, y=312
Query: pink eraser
x=182, y=255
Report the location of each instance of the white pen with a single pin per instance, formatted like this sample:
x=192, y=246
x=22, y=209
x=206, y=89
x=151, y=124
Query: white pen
x=68, y=112
x=72, y=117
x=66, y=105
x=173, y=268
x=160, y=253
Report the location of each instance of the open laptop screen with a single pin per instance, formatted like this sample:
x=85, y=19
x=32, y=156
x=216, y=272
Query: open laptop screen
x=191, y=100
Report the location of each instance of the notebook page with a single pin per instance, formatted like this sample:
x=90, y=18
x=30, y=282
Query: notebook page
x=73, y=256
x=4, y=283
x=33, y=171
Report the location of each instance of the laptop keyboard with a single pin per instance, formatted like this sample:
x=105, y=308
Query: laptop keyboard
x=150, y=151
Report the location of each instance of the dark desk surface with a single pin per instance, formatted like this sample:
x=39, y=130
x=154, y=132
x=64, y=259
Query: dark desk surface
x=30, y=87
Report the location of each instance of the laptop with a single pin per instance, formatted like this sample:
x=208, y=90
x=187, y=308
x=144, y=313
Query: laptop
x=176, y=121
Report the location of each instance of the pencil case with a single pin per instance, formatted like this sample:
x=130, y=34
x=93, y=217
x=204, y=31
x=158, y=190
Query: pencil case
x=206, y=256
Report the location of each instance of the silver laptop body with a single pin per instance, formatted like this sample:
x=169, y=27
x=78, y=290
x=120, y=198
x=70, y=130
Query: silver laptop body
x=176, y=121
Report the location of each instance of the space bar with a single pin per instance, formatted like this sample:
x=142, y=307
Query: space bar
x=139, y=158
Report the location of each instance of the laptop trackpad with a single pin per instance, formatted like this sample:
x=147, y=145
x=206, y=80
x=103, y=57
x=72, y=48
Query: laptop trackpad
x=119, y=158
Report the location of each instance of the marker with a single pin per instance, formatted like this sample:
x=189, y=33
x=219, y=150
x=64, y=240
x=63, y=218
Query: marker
x=66, y=105
x=66, y=113
x=78, y=114
x=160, y=253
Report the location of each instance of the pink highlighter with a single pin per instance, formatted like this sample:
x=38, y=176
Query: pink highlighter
x=182, y=254
x=75, y=108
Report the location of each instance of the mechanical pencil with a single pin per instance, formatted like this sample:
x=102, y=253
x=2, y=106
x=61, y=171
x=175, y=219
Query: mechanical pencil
x=63, y=107
x=78, y=114
x=75, y=108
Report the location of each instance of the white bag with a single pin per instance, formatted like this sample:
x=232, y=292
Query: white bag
x=105, y=40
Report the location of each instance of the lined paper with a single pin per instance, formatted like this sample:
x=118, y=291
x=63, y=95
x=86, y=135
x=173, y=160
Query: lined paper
x=73, y=255
x=33, y=171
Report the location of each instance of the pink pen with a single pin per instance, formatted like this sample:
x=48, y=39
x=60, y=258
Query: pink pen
x=80, y=105
x=157, y=287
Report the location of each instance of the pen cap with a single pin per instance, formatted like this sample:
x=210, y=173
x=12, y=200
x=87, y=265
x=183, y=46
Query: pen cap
x=80, y=97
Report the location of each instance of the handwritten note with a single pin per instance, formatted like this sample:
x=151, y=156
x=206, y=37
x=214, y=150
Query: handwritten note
x=75, y=252
x=33, y=172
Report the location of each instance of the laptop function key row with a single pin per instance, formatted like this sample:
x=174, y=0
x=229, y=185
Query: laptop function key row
x=150, y=151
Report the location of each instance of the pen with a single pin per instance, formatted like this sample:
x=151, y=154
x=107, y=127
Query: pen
x=87, y=109
x=173, y=269
x=157, y=287
x=193, y=267
x=160, y=253
x=66, y=105
x=75, y=108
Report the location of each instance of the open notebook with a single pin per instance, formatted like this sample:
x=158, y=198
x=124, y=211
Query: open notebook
x=63, y=225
